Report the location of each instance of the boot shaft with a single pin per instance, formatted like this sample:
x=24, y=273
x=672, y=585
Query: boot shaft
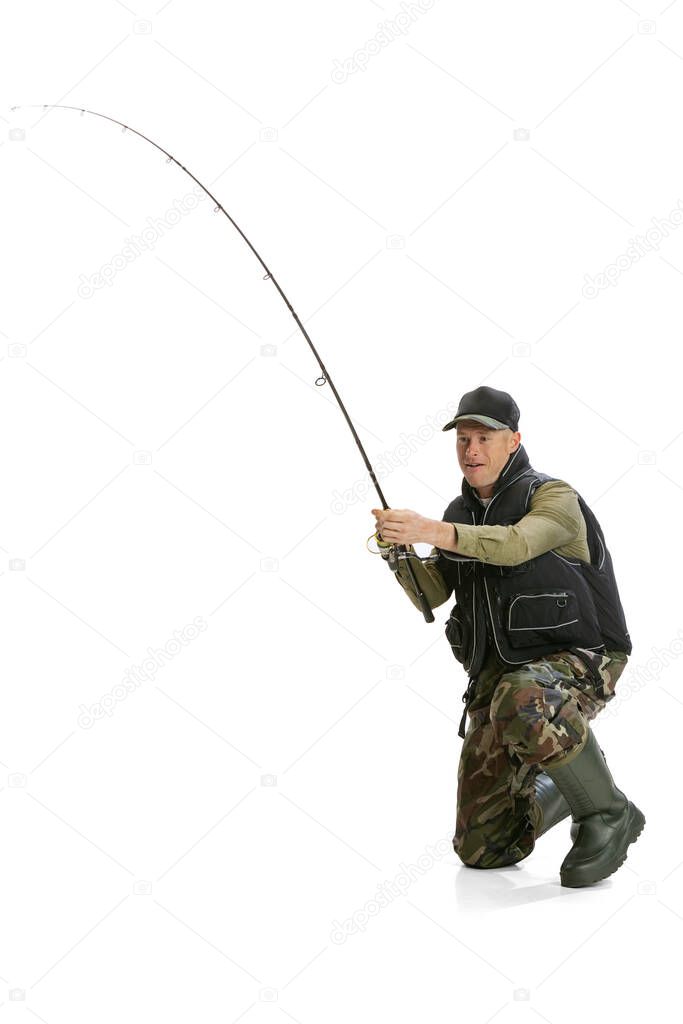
x=586, y=782
x=552, y=803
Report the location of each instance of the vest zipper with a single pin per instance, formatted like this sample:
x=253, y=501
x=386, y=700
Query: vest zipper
x=474, y=584
x=474, y=605
x=474, y=614
x=486, y=586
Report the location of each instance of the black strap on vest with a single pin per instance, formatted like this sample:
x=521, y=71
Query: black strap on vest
x=467, y=697
x=590, y=665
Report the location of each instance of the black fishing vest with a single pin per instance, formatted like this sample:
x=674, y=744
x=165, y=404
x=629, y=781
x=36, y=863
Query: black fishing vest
x=547, y=604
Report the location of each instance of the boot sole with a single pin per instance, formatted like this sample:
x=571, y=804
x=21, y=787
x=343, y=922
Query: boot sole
x=635, y=827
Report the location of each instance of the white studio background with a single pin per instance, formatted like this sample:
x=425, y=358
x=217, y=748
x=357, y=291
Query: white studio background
x=438, y=188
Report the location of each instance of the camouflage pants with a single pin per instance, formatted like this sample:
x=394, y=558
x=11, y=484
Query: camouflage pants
x=521, y=721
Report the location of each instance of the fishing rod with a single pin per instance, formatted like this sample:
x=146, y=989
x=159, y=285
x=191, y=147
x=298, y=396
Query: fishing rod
x=268, y=276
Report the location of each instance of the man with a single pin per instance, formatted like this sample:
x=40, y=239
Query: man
x=539, y=627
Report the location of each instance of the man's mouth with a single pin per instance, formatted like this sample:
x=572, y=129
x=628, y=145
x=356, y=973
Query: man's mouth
x=475, y=465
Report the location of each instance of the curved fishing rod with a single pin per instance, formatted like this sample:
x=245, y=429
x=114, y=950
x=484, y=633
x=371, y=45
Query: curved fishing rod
x=320, y=381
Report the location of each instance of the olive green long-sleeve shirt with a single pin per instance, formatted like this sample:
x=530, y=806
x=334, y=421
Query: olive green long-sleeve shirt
x=554, y=522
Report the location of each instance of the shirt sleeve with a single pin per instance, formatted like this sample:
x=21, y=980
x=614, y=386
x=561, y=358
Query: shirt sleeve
x=554, y=519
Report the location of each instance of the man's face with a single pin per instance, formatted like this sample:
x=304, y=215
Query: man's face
x=483, y=452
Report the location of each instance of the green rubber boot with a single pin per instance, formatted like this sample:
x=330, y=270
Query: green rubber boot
x=604, y=820
x=553, y=805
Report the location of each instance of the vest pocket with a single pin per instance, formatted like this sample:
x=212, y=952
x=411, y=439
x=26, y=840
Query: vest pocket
x=542, y=617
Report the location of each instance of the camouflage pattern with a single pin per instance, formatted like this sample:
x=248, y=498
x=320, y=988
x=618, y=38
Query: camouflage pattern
x=520, y=721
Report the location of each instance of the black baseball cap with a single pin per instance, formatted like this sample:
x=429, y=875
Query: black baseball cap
x=496, y=409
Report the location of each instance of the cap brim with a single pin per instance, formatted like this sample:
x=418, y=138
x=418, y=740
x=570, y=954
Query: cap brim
x=488, y=421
